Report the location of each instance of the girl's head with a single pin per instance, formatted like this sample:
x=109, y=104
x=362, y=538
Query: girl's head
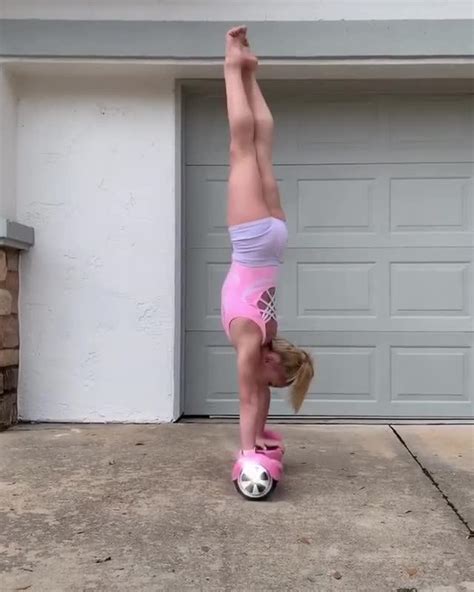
x=288, y=365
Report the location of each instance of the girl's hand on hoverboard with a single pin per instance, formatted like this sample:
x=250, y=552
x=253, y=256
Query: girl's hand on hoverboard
x=272, y=439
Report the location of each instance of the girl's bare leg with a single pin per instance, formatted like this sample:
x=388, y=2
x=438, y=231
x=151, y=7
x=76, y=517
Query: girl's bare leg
x=263, y=139
x=245, y=200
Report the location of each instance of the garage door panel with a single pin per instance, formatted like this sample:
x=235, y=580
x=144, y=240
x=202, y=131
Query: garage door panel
x=431, y=374
x=209, y=354
x=205, y=272
x=206, y=207
x=430, y=204
x=345, y=373
x=377, y=290
x=339, y=288
x=380, y=205
x=338, y=205
x=337, y=128
x=316, y=129
x=429, y=123
x=383, y=129
x=206, y=129
x=430, y=289
x=357, y=374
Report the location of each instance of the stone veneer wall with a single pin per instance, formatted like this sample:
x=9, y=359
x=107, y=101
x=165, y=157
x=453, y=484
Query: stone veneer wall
x=9, y=336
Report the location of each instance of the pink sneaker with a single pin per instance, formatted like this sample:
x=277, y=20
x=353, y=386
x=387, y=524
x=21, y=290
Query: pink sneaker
x=256, y=475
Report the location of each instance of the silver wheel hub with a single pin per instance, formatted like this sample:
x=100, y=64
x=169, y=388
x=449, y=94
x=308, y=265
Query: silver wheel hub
x=254, y=481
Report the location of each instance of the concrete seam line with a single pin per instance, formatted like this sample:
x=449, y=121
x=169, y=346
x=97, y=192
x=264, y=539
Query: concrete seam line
x=436, y=484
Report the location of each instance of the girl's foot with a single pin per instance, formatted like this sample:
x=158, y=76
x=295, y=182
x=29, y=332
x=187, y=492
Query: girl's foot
x=238, y=51
x=251, y=60
x=234, y=45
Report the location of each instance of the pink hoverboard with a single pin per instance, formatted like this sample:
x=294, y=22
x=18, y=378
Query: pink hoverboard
x=255, y=476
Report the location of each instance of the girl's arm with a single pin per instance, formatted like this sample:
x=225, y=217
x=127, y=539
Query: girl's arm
x=263, y=407
x=249, y=364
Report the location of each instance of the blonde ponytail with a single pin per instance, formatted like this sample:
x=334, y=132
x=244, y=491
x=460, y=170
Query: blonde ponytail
x=299, y=369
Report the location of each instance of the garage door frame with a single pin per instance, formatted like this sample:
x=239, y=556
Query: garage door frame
x=189, y=87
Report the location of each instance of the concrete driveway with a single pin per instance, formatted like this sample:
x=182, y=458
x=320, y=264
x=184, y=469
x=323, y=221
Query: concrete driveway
x=361, y=508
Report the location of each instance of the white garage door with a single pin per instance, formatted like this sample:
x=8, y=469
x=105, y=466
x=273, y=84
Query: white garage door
x=378, y=279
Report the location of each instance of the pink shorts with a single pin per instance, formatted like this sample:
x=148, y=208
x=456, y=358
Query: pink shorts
x=249, y=292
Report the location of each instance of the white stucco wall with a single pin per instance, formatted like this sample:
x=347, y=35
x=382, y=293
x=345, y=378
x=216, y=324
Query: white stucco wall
x=7, y=146
x=96, y=179
x=238, y=9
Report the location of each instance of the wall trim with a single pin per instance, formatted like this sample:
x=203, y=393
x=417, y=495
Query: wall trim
x=15, y=235
x=204, y=40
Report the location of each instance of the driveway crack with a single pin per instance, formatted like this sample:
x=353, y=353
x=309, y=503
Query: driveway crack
x=436, y=484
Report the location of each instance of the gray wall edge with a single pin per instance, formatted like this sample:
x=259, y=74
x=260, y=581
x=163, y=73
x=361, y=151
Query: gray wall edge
x=205, y=40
